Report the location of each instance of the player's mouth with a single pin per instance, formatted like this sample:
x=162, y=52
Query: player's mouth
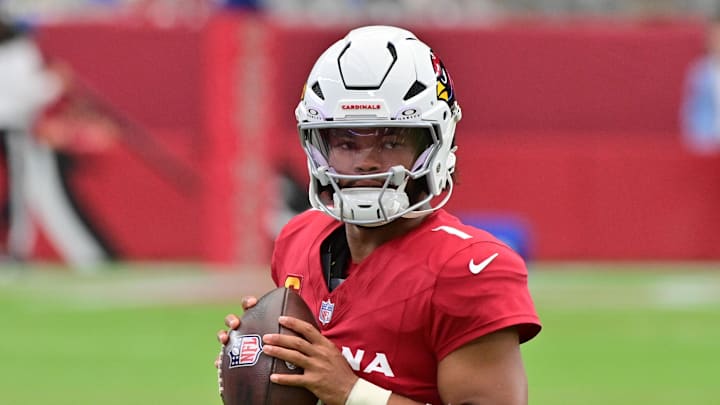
x=363, y=183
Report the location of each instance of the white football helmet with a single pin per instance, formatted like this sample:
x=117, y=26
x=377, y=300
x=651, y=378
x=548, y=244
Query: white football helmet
x=379, y=80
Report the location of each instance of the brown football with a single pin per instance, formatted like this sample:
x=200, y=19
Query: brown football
x=246, y=369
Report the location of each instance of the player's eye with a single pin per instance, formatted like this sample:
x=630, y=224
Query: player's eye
x=343, y=143
x=347, y=145
x=392, y=142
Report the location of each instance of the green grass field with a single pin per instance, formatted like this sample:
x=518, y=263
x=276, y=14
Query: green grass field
x=613, y=334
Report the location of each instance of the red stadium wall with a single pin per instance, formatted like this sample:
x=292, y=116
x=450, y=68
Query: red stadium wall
x=171, y=189
x=570, y=128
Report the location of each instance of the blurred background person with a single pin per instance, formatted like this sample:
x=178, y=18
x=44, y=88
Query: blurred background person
x=700, y=114
x=29, y=89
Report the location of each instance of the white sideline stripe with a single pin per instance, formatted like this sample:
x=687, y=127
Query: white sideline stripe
x=144, y=288
x=685, y=293
x=660, y=291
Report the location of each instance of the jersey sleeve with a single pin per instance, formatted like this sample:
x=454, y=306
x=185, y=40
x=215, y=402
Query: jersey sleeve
x=469, y=304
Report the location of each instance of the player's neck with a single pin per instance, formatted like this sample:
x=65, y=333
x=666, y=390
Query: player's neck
x=362, y=241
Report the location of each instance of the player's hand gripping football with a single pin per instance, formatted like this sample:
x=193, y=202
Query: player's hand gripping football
x=326, y=372
x=232, y=321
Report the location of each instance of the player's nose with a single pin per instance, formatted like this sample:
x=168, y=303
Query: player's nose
x=368, y=160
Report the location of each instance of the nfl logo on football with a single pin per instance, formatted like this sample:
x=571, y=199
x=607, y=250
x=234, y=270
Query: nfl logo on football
x=326, y=312
x=245, y=351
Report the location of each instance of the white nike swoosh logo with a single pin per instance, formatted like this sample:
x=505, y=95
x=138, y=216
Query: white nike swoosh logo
x=477, y=268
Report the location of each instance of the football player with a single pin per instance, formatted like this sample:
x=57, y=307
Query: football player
x=413, y=305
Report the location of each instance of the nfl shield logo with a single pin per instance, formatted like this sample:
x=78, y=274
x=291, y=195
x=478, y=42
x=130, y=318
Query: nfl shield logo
x=244, y=350
x=326, y=311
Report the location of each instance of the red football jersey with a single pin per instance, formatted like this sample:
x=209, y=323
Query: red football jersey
x=411, y=302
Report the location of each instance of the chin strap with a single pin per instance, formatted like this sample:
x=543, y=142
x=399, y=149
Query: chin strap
x=421, y=213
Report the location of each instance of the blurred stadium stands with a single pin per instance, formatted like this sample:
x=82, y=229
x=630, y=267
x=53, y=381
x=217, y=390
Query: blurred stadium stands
x=454, y=10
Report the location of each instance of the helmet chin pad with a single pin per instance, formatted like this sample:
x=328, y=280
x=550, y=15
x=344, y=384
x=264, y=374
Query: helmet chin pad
x=369, y=206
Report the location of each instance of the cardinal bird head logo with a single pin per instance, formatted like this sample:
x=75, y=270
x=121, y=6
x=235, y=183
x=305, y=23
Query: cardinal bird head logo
x=444, y=84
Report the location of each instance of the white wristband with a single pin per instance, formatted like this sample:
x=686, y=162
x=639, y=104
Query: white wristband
x=367, y=393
